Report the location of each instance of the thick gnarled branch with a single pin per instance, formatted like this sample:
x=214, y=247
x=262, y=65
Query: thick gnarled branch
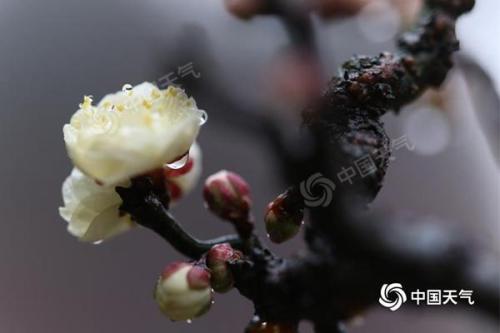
x=349, y=255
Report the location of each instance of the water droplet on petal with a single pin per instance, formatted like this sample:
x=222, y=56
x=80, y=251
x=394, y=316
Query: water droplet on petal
x=179, y=163
x=203, y=117
x=189, y=321
x=127, y=87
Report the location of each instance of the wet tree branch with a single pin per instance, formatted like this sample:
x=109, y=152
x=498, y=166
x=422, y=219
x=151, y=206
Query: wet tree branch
x=149, y=210
x=350, y=254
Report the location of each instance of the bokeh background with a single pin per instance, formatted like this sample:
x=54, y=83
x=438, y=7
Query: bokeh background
x=55, y=51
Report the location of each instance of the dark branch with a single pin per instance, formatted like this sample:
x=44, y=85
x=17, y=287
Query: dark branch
x=350, y=257
x=148, y=209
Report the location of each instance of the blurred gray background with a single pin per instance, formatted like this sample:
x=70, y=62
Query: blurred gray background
x=54, y=51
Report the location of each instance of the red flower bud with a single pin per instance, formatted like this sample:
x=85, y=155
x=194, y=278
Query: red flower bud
x=284, y=216
x=228, y=196
x=217, y=261
x=183, y=291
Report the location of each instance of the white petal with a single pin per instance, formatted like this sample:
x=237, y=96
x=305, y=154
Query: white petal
x=132, y=132
x=91, y=210
x=107, y=224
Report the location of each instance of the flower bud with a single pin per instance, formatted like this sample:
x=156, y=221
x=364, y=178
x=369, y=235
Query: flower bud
x=228, y=196
x=217, y=261
x=183, y=291
x=284, y=216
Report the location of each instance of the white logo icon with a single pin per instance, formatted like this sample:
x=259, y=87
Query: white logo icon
x=323, y=185
x=393, y=288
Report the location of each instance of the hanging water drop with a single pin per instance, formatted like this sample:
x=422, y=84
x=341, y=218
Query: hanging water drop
x=179, y=163
x=127, y=87
x=189, y=321
x=203, y=117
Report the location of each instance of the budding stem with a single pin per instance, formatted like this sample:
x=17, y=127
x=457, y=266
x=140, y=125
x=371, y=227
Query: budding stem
x=182, y=241
x=147, y=209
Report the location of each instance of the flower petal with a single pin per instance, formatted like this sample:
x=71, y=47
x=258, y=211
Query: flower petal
x=132, y=132
x=92, y=211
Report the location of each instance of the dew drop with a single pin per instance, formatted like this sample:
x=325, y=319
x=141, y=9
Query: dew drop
x=203, y=117
x=212, y=302
x=98, y=242
x=127, y=87
x=189, y=321
x=179, y=163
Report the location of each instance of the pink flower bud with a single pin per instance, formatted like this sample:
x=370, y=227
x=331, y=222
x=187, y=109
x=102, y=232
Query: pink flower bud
x=217, y=261
x=183, y=291
x=228, y=196
x=284, y=216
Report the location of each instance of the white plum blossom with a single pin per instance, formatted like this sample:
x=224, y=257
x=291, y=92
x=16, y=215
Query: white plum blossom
x=132, y=132
x=92, y=210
